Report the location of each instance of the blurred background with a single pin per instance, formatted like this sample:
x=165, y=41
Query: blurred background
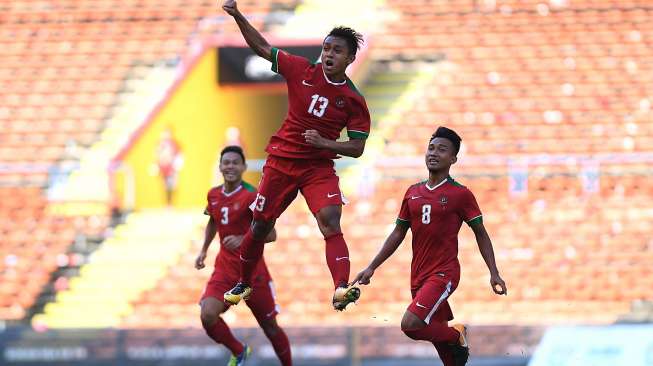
x=113, y=113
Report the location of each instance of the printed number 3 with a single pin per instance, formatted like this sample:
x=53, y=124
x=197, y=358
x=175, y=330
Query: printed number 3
x=225, y=215
x=318, y=111
x=260, y=202
x=426, y=214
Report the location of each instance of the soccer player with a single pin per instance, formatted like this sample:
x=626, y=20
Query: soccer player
x=230, y=216
x=322, y=101
x=434, y=210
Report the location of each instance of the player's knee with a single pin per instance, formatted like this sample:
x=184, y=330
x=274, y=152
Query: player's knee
x=329, y=221
x=410, y=322
x=261, y=229
x=208, y=319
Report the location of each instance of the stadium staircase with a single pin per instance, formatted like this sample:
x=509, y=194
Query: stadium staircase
x=142, y=90
x=132, y=260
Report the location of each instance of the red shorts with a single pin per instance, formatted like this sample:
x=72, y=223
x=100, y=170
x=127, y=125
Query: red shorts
x=281, y=180
x=430, y=300
x=261, y=302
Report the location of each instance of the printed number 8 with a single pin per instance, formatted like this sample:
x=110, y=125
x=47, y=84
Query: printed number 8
x=426, y=214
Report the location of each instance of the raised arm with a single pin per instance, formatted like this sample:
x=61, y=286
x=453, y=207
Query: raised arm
x=209, y=234
x=389, y=247
x=485, y=247
x=254, y=39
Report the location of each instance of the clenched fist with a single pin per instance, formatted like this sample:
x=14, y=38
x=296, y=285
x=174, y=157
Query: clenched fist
x=230, y=7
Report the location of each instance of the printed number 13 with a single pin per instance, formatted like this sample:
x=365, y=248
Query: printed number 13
x=318, y=111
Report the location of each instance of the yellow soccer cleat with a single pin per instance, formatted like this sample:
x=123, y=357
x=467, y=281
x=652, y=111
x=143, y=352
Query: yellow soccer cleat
x=241, y=358
x=241, y=291
x=344, y=296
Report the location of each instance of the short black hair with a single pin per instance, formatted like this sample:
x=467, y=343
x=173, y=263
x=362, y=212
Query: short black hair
x=234, y=149
x=354, y=39
x=449, y=134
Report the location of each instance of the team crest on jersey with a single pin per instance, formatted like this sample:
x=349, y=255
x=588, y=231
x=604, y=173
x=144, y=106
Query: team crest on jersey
x=340, y=102
x=443, y=200
x=236, y=205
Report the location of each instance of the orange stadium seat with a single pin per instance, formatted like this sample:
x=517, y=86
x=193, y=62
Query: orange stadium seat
x=529, y=78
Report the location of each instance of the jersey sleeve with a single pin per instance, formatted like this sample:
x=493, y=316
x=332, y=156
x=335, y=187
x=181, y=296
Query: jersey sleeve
x=469, y=210
x=358, y=126
x=404, y=212
x=287, y=64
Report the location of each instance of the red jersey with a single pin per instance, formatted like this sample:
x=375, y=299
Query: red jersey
x=232, y=215
x=315, y=103
x=435, y=215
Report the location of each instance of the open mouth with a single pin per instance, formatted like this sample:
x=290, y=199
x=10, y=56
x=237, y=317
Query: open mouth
x=329, y=63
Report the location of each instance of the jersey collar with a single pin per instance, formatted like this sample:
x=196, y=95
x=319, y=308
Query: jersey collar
x=232, y=192
x=331, y=82
x=437, y=185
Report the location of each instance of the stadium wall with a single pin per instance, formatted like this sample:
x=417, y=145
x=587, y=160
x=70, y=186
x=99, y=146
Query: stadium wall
x=198, y=112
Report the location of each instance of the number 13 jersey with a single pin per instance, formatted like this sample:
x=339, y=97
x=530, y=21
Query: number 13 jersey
x=315, y=103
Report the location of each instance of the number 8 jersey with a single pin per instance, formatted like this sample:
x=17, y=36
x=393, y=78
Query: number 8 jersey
x=435, y=215
x=315, y=103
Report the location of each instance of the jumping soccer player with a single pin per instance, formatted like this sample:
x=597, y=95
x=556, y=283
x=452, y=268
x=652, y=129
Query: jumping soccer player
x=322, y=101
x=434, y=210
x=230, y=217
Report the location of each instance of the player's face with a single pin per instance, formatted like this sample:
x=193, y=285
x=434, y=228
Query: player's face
x=335, y=56
x=232, y=167
x=440, y=154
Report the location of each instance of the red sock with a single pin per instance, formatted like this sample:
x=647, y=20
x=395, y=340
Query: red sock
x=337, y=256
x=435, y=333
x=281, y=347
x=251, y=252
x=221, y=333
x=444, y=351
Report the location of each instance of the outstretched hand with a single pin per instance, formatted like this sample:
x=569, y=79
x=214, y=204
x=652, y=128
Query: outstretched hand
x=363, y=277
x=230, y=7
x=498, y=285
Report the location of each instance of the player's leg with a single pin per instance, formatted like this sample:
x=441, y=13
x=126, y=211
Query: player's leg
x=212, y=322
x=337, y=253
x=216, y=328
x=276, y=191
x=320, y=188
x=445, y=353
x=426, y=319
x=265, y=310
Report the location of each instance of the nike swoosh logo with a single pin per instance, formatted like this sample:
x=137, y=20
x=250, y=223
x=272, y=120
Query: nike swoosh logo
x=305, y=83
x=415, y=197
x=331, y=195
x=420, y=305
x=213, y=203
x=340, y=258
